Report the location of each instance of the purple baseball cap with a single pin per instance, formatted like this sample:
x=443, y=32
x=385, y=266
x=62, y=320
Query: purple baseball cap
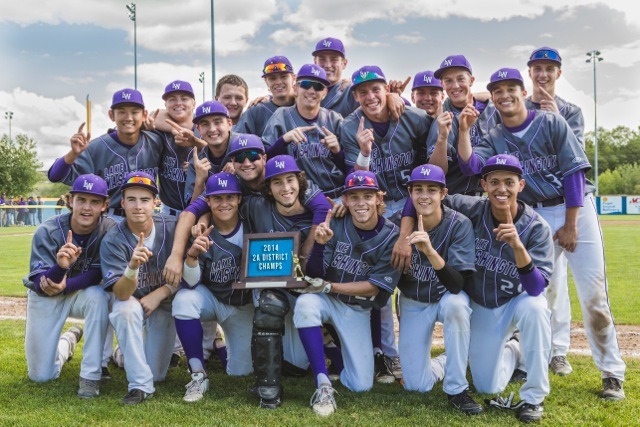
x=277, y=64
x=331, y=44
x=312, y=72
x=178, y=86
x=245, y=141
x=545, y=53
x=453, y=61
x=279, y=165
x=127, y=96
x=210, y=108
x=90, y=184
x=222, y=183
x=428, y=173
x=368, y=73
x=140, y=179
x=505, y=74
x=502, y=162
x=426, y=79
x=360, y=180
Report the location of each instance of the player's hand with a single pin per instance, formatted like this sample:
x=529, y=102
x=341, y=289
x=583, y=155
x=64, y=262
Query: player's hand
x=444, y=121
x=507, y=232
x=50, y=288
x=202, y=167
x=567, y=237
x=401, y=256
x=344, y=83
x=324, y=233
x=182, y=136
x=141, y=254
x=547, y=102
x=467, y=118
x=259, y=100
x=338, y=210
x=395, y=105
x=421, y=239
x=297, y=135
x=201, y=244
x=150, y=302
x=68, y=253
x=150, y=122
x=330, y=141
x=316, y=286
x=172, y=271
x=398, y=86
x=229, y=168
x=439, y=110
x=80, y=141
x=365, y=138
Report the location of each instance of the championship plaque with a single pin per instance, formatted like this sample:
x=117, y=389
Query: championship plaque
x=270, y=260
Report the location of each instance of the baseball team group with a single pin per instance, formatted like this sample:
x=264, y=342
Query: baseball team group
x=470, y=207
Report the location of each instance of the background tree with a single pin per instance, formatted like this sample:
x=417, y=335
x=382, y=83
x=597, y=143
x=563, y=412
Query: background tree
x=19, y=159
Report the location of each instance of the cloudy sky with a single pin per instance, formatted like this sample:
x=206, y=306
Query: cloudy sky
x=56, y=52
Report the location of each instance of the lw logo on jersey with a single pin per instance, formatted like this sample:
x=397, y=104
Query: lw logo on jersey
x=222, y=182
x=503, y=74
x=206, y=110
x=326, y=43
x=88, y=185
x=427, y=79
x=280, y=165
x=243, y=142
x=126, y=95
x=175, y=86
x=425, y=171
x=447, y=62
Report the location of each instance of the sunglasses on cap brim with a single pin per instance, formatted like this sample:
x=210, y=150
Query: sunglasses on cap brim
x=548, y=55
x=278, y=67
x=366, y=181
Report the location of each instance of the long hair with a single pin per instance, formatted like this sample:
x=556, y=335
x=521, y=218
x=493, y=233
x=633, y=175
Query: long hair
x=303, y=185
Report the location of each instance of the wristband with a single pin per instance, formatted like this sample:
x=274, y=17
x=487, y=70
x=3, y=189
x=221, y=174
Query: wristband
x=131, y=273
x=363, y=160
x=171, y=289
x=327, y=287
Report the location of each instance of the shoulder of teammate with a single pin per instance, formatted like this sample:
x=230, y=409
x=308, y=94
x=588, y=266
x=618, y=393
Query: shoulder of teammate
x=472, y=207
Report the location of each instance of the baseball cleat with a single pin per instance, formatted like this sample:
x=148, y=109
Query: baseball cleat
x=465, y=403
x=612, y=389
x=135, y=396
x=197, y=387
x=560, y=366
x=72, y=336
x=270, y=403
x=382, y=373
x=88, y=388
x=322, y=400
x=393, y=366
x=518, y=376
x=528, y=412
x=106, y=375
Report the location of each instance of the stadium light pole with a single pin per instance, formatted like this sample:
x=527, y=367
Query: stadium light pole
x=594, y=57
x=132, y=15
x=9, y=115
x=201, y=79
x=213, y=57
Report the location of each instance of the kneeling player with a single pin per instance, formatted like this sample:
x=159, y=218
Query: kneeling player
x=133, y=254
x=353, y=253
x=210, y=268
x=65, y=269
x=514, y=252
x=432, y=291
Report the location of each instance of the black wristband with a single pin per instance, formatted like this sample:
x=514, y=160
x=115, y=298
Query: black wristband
x=527, y=268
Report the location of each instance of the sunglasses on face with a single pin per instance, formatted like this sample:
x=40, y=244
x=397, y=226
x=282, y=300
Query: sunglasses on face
x=361, y=181
x=277, y=67
x=308, y=84
x=546, y=54
x=252, y=155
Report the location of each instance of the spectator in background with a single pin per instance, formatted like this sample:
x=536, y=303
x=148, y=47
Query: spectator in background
x=60, y=203
x=11, y=212
x=22, y=212
x=3, y=210
x=31, y=217
x=40, y=203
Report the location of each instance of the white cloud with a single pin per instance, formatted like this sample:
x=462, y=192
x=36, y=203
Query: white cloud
x=412, y=38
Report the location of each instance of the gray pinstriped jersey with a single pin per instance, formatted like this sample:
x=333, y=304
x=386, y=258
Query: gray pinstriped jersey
x=548, y=152
x=393, y=156
x=311, y=156
x=51, y=235
x=255, y=119
x=172, y=177
x=340, y=100
x=347, y=258
x=111, y=161
x=453, y=240
x=117, y=248
x=497, y=280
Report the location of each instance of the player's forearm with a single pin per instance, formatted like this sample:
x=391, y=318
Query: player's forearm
x=305, y=250
x=186, y=220
x=125, y=287
x=90, y=277
x=571, y=217
x=464, y=145
x=198, y=189
x=521, y=255
x=450, y=278
x=356, y=289
x=59, y=169
x=439, y=155
x=191, y=271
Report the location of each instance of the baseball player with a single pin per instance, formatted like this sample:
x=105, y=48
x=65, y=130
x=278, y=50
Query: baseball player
x=212, y=265
x=350, y=273
x=427, y=93
x=277, y=73
x=554, y=167
x=442, y=258
x=232, y=92
x=213, y=123
x=65, y=272
x=133, y=254
x=513, y=260
x=113, y=155
x=544, y=70
x=309, y=132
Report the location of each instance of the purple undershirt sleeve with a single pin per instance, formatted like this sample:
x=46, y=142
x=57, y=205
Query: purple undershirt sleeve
x=279, y=147
x=409, y=209
x=319, y=207
x=90, y=277
x=315, y=263
x=198, y=207
x=59, y=170
x=533, y=281
x=574, y=189
x=338, y=160
x=55, y=273
x=472, y=167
